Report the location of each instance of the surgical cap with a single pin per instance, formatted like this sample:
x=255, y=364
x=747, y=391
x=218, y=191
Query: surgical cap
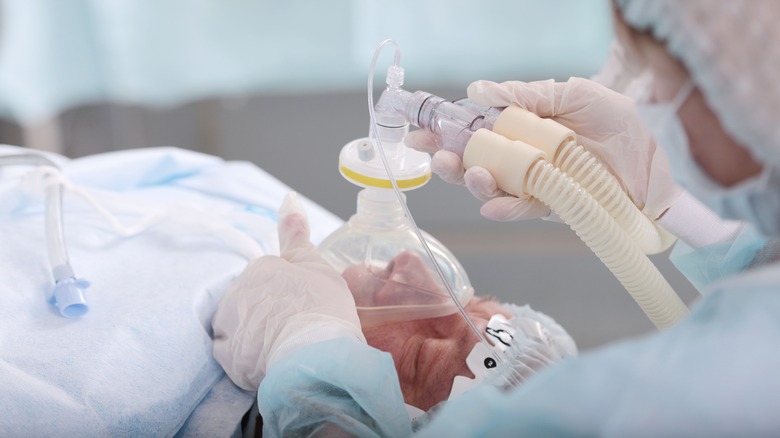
x=730, y=50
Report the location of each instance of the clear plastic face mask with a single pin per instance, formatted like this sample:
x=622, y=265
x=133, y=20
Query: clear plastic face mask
x=393, y=280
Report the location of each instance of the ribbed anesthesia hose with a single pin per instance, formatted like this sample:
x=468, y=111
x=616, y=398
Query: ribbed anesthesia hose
x=561, y=149
x=584, y=168
x=608, y=241
x=521, y=169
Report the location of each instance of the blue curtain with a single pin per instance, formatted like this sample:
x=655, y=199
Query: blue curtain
x=58, y=54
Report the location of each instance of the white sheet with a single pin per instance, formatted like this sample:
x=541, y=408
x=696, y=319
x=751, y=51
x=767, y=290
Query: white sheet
x=140, y=361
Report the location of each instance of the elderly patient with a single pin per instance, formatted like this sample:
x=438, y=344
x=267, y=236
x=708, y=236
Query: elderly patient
x=270, y=311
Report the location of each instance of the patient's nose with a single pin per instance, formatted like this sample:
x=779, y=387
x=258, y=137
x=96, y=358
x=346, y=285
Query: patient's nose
x=409, y=281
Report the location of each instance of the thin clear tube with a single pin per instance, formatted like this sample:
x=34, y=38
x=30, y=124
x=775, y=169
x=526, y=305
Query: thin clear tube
x=67, y=293
x=55, y=232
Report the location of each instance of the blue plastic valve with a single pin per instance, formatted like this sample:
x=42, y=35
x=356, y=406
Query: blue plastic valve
x=68, y=297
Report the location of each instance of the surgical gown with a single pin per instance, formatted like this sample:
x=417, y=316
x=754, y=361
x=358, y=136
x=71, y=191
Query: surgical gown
x=712, y=374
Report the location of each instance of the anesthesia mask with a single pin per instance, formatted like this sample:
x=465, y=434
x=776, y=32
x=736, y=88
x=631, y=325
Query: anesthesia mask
x=387, y=269
x=396, y=271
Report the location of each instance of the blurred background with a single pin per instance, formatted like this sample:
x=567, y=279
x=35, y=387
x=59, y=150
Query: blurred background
x=283, y=85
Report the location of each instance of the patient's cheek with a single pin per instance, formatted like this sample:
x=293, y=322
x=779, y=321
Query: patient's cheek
x=391, y=337
x=437, y=363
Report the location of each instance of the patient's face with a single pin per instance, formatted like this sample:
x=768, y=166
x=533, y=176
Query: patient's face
x=428, y=353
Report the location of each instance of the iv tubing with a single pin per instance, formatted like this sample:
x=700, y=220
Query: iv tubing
x=375, y=136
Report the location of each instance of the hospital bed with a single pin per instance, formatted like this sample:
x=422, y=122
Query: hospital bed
x=176, y=227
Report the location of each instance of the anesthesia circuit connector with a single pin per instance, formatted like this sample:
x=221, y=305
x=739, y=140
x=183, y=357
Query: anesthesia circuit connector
x=533, y=156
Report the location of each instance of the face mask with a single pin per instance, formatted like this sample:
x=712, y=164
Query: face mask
x=756, y=200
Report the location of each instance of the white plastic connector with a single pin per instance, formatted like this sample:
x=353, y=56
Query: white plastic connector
x=395, y=76
x=365, y=150
x=548, y=135
x=507, y=160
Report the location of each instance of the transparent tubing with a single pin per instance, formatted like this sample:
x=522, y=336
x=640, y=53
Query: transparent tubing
x=611, y=244
x=68, y=292
x=55, y=232
x=58, y=254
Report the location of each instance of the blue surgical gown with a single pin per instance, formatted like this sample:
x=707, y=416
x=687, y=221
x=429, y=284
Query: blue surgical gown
x=712, y=374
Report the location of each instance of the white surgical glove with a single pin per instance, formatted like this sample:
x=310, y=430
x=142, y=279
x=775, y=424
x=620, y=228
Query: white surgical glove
x=280, y=304
x=606, y=124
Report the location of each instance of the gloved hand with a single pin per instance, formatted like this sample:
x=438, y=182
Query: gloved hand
x=280, y=304
x=500, y=206
x=606, y=124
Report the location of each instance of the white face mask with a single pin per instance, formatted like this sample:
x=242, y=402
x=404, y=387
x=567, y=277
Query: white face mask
x=756, y=200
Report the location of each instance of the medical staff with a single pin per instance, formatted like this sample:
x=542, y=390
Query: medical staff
x=710, y=104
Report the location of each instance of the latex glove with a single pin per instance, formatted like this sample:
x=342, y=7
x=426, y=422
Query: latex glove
x=606, y=124
x=449, y=167
x=280, y=304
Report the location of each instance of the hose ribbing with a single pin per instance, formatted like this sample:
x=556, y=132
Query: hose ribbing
x=608, y=240
x=584, y=168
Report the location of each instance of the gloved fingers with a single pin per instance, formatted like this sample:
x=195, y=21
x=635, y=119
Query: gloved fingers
x=540, y=97
x=422, y=140
x=294, y=242
x=481, y=184
x=448, y=166
x=580, y=104
x=510, y=208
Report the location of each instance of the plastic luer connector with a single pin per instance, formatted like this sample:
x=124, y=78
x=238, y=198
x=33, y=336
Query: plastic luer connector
x=68, y=297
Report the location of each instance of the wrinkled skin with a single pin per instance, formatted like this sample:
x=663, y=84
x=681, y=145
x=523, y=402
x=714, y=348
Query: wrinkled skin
x=428, y=353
